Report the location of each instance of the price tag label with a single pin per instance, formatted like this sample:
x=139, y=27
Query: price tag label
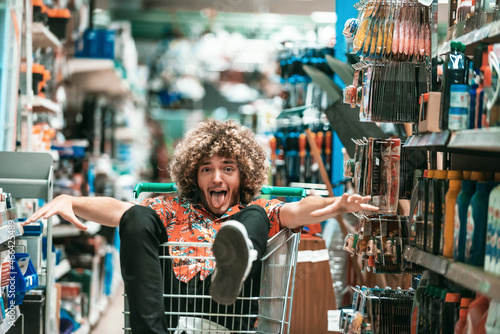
x=333, y=320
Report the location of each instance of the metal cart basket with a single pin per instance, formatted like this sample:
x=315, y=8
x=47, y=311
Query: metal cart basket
x=264, y=306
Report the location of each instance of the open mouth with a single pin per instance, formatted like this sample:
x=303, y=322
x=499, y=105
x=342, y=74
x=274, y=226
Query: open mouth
x=217, y=197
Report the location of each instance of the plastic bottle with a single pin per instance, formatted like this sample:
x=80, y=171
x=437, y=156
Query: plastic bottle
x=491, y=257
x=430, y=221
x=458, y=114
x=463, y=312
x=454, y=187
x=454, y=73
x=472, y=108
x=477, y=216
x=495, y=251
x=487, y=87
x=451, y=302
x=441, y=187
x=463, y=200
x=477, y=309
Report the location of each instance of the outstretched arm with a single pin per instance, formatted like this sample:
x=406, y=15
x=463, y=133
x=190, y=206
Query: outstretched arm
x=315, y=209
x=103, y=210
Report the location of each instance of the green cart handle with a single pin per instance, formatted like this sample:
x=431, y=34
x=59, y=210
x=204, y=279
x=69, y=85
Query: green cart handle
x=171, y=187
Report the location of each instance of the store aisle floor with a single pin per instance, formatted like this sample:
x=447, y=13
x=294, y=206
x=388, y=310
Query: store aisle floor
x=111, y=321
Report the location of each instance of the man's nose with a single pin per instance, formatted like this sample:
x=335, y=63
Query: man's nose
x=217, y=176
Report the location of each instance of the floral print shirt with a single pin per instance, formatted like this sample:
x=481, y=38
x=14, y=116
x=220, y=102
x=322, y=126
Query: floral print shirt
x=191, y=223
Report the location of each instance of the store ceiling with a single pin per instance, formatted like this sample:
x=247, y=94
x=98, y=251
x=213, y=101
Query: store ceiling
x=157, y=18
x=290, y=7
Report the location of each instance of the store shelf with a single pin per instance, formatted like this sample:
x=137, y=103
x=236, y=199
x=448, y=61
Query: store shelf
x=465, y=141
x=7, y=215
x=489, y=33
x=7, y=232
x=62, y=269
x=43, y=105
x=9, y=321
x=42, y=37
x=473, y=278
x=70, y=230
x=480, y=139
x=96, y=76
x=428, y=140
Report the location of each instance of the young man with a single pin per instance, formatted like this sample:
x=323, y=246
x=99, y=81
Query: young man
x=219, y=169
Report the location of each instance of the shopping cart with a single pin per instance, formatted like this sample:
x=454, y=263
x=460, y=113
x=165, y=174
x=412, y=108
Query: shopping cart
x=264, y=306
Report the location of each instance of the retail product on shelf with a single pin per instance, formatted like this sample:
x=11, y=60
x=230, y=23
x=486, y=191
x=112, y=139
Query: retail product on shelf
x=491, y=260
x=463, y=200
x=376, y=171
x=454, y=188
x=454, y=93
x=378, y=311
x=297, y=87
x=379, y=243
x=388, y=91
x=477, y=215
x=390, y=29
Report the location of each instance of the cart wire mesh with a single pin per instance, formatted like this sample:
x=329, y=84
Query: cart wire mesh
x=264, y=305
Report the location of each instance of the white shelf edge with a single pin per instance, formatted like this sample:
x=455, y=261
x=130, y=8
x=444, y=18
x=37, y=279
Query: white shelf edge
x=96, y=75
x=42, y=37
x=473, y=278
x=476, y=139
x=7, y=323
x=62, y=268
x=70, y=230
x=41, y=104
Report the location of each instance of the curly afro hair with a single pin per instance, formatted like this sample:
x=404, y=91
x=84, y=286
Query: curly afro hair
x=226, y=139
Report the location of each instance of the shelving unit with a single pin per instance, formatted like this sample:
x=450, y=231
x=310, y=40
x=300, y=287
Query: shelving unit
x=42, y=37
x=40, y=104
x=476, y=141
x=490, y=33
x=9, y=322
x=96, y=76
x=19, y=177
x=470, y=277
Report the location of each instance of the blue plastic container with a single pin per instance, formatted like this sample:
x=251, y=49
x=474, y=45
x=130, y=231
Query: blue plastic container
x=477, y=221
x=24, y=276
x=460, y=231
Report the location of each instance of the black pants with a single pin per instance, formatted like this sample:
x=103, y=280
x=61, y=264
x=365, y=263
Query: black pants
x=141, y=233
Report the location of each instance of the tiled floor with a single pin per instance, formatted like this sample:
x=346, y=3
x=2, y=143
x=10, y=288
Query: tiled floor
x=111, y=321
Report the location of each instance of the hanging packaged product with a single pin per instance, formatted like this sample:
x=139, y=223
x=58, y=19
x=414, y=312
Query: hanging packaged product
x=454, y=187
x=416, y=216
x=430, y=221
x=477, y=216
x=463, y=199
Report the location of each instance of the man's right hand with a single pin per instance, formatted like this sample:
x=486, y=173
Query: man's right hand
x=61, y=205
x=103, y=210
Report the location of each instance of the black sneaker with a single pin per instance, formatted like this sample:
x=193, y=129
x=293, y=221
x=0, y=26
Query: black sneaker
x=234, y=255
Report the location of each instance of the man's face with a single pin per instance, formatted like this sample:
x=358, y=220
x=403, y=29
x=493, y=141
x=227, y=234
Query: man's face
x=219, y=184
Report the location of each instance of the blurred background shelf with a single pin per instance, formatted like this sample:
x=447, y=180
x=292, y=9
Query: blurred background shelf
x=42, y=37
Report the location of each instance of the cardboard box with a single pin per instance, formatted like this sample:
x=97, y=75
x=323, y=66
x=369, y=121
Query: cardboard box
x=429, y=112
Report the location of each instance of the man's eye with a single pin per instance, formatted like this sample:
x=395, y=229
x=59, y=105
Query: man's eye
x=229, y=169
x=204, y=170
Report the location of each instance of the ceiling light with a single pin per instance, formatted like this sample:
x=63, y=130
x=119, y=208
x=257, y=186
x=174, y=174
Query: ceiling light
x=324, y=17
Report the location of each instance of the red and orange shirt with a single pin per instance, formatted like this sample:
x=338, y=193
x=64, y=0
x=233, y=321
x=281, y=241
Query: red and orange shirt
x=190, y=223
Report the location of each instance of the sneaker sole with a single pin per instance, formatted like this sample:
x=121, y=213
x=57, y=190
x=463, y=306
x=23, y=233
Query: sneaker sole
x=230, y=250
